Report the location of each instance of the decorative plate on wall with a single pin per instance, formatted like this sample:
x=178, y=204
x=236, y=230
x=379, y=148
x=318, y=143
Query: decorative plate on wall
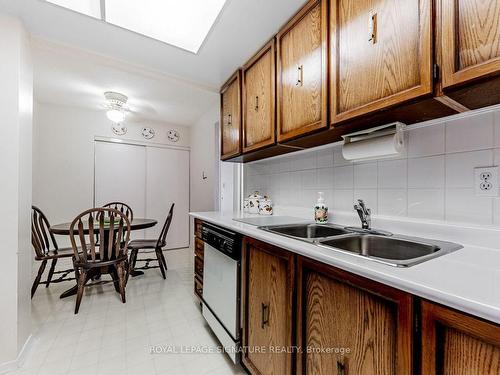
x=119, y=129
x=173, y=135
x=148, y=133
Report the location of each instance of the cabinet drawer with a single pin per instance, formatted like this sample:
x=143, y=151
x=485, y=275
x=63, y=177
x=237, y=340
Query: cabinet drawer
x=198, y=287
x=199, y=247
x=198, y=267
x=197, y=228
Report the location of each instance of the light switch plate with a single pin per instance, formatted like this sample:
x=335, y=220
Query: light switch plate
x=486, y=181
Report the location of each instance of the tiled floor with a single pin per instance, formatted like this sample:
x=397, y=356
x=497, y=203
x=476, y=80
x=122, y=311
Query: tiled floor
x=108, y=337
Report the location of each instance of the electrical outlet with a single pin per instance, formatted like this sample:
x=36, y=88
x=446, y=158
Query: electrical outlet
x=486, y=181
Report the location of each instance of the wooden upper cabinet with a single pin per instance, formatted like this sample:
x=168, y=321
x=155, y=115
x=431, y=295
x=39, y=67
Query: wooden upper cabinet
x=470, y=40
x=259, y=100
x=302, y=72
x=230, y=121
x=381, y=55
x=367, y=325
x=457, y=344
x=267, y=308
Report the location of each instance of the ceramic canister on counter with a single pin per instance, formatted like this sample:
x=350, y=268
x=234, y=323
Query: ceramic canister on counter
x=246, y=204
x=253, y=202
x=265, y=206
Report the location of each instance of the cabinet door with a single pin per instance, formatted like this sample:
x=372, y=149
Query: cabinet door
x=381, y=55
x=231, y=117
x=366, y=326
x=267, y=308
x=457, y=344
x=302, y=68
x=259, y=100
x=470, y=40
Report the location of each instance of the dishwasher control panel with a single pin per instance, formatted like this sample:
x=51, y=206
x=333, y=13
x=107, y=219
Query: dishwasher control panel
x=225, y=241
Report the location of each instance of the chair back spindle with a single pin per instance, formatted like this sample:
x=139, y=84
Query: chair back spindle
x=164, y=231
x=42, y=238
x=122, y=207
x=113, y=227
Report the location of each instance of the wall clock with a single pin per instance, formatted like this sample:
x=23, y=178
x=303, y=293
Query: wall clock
x=119, y=129
x=173, y=135
x=148, y=133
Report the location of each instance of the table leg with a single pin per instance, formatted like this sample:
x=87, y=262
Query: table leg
x=135, y=273
x=72, y=291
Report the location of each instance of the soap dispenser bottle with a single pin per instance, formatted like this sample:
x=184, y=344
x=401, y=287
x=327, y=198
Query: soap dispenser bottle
x=321, y=210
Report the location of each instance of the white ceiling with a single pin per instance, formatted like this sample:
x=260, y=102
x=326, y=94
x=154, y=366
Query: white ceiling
x=77, y=58
x=73, y=77
x=242, y=27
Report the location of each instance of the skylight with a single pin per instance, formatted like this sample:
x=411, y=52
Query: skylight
x=91, y=8
x=184, y=24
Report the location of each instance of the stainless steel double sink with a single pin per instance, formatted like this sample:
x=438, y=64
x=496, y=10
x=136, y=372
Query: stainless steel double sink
x=379, y=246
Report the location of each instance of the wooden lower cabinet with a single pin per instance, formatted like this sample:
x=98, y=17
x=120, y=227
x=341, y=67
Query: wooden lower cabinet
x=348, y=325
x=301, y=316
x=457, y=344
x=199, y=247
x=267, y=281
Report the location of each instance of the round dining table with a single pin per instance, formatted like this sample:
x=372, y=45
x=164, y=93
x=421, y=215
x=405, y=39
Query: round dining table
x=64, y=229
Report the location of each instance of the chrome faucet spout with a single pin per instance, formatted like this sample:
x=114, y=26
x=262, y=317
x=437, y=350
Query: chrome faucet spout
x=364, y=214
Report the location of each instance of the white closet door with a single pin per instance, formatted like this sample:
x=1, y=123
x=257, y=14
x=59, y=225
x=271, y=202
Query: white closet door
x=167, y=179
x=120, y=175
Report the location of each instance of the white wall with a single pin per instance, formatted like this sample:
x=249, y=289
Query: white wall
x=204, y=159
x=63, y=155
x=16, y=110
x=204, y=162
x=433, y=181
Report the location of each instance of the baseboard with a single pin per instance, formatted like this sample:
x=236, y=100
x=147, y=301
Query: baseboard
x=21, y=357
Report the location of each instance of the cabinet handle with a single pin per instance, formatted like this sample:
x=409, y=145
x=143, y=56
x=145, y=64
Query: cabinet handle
x=340, y=368
x=265, y=315
x=372, y=27
x=229, y=120
x=300, y=76
x=256, y=103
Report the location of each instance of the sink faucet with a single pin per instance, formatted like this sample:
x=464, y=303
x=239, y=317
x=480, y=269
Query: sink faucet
x=364, y=214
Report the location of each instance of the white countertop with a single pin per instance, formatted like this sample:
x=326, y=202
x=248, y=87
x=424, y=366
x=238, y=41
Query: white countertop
x=467, y=279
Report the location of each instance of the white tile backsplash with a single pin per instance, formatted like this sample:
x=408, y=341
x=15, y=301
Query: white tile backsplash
x=496, y=160
x=303, y=161
x=325, y=178
x=343, y=177
x=460, y=167
x=392, y=174
x=365, y=176
x=309, y=179
x=496, y=211
x=496, y=129
x=426, y=173
x=426, y=203
x=470, y=133
x=462, y=206
x=433, y=182
x=392, y=202
x=426, y=141
x=343, y=200
x=325, y=158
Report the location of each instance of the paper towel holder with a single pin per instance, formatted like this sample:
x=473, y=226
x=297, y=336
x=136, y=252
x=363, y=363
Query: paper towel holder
x=378, y=131
x=380, y=142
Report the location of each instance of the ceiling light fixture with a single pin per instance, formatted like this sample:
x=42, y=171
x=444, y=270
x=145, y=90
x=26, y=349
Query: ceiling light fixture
x=116, y=106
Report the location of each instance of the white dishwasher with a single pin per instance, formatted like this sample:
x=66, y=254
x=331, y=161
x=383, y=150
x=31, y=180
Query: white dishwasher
x=221, y=286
